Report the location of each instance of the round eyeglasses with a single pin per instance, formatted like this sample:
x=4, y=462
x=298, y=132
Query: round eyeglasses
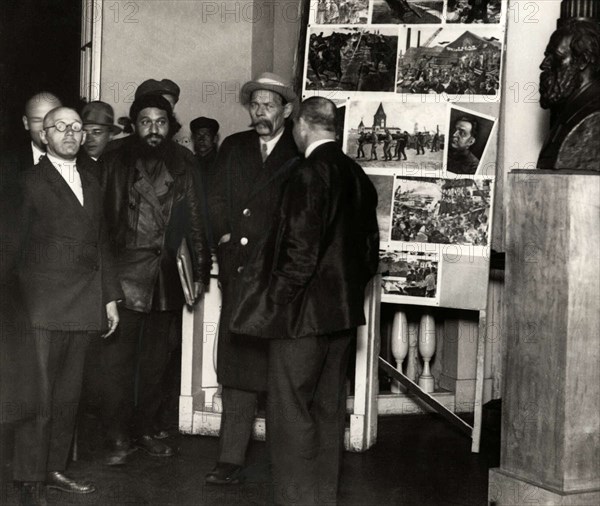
x=61, y=126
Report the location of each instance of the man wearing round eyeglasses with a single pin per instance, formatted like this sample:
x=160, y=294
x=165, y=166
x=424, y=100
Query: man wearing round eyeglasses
x=69, y=290
x=151, y=206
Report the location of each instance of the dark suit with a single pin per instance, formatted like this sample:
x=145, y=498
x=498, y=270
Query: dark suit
x=66, y=277
x=307, y=297
x=244, y=203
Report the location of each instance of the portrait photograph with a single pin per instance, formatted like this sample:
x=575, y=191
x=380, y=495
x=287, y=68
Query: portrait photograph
x=351, y=59
x=340, y=12
x=468, y=136
x=408, y=274
x=393, y=134
x=442, y=211
x=424, y=12
x=474, y=11
x=452, y=60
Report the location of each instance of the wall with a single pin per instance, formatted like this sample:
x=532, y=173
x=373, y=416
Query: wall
x=209, y=48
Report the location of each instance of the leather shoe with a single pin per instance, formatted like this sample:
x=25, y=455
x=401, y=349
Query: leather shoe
x=118, y=453
x=33, y=493
x=224, y=474
x=153, y=447
x=59, y=481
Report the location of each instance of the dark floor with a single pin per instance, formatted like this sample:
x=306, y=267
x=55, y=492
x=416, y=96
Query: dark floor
x=418, y=460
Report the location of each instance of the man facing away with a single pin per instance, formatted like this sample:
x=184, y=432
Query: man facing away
x=151, y=206
x=304, y=291
x=252, y=167
x=67, y=282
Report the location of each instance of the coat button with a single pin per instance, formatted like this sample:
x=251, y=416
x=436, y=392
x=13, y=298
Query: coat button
x=244, y=241
x=157, y=251
x=240, y=269
x=246, y=212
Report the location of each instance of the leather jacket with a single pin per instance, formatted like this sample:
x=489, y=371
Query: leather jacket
x=146, y=231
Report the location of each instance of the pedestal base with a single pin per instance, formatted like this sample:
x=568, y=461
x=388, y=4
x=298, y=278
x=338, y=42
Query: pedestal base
x=505, y=489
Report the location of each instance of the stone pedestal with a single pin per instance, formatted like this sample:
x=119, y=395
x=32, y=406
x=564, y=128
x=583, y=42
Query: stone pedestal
x=550, y=450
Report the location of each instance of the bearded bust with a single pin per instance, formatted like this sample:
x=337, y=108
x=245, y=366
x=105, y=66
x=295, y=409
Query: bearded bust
x=570, y=88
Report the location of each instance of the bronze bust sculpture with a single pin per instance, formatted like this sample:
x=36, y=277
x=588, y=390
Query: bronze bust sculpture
x=570, y=88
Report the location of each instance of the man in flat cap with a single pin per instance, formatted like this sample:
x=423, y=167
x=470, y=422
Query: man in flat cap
x=205, y=135
x=99, y=125
x=151, y=206
x=253, y=166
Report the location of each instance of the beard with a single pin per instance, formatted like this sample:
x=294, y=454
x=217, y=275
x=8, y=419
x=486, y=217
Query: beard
x=557, y=87
x=152, y=146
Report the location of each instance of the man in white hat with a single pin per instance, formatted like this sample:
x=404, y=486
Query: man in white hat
x=253, y=166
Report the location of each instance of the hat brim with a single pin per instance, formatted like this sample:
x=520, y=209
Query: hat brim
x=252, y=86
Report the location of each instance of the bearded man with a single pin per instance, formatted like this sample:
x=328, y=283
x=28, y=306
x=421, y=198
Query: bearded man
x=570, y=88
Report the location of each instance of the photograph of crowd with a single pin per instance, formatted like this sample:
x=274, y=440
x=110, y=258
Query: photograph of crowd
x=468, y=136
x=385, y=189
x=474, y=11
x=450, y=60
x=396, y=134
x=408, y=274
x=442, y=211
x=351, y=59
x=408, y=12
x=341, y=12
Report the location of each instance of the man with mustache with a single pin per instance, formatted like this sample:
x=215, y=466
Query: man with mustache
x=253, y=167
x=151, y=206
x=570, y=88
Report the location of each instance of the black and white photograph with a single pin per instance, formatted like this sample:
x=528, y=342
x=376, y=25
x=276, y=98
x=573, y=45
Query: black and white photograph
x=425, y=12
x=351, y=59
x=396, y=134
x=384, y=185
x=442, y=211
x=408, y=274
x=474, y=11
x=454, y=60
x=341, y=12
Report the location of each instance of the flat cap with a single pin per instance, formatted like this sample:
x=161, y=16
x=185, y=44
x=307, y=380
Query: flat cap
x=203, y=122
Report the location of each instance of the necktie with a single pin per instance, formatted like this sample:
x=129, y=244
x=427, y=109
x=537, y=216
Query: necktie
x=263, y=151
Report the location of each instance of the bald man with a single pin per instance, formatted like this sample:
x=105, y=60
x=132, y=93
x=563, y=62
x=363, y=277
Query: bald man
x=36, y=109
x=69, y=288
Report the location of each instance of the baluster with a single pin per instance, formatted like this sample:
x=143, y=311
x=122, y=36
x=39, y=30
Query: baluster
x=413, y=354
x=427, y=350
x=399, y=344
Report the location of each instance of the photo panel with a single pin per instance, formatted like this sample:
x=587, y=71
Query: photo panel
x=350, y=58
x=396, y=134
x=408, y=277
x=384, y=185
x=475, y=11
x=442, y=211
x=457, y=61
x=422, y=12
x=339, y=12
x=470, y=133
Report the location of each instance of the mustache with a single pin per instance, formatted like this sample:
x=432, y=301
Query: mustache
x=262, y=122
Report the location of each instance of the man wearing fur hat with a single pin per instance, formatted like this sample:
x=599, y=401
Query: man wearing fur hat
x=253, y=166
x=151, y=205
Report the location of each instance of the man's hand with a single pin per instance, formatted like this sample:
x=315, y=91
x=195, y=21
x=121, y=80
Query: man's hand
x=198, y=289
x=112, y=314
x=225, y=238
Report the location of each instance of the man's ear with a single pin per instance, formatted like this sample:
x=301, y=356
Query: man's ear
x=83, y=137
x=25, y=122
x=472, y=141
x=288, y=109
x=43, y=137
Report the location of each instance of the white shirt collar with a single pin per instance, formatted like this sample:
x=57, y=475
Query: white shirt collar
x=37, y=153
x=315, y=145
x=271, y=144
x=68, y=170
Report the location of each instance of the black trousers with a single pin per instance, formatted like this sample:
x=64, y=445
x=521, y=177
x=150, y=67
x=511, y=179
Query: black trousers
x=42, y=443
x=237, y=419
x=306, y=409
x=125, y=372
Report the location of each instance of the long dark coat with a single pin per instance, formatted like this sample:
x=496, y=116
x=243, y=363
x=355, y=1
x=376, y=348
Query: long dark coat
x=244, y=203
x=309, y=278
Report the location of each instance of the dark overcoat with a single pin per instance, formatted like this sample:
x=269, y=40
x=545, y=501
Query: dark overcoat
x=244, y=203
x=309, y=278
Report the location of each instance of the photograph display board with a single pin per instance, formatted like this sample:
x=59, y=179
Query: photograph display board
x=418, y=84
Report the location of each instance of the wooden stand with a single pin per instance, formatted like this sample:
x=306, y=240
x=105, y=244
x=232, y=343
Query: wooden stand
x=551, y=405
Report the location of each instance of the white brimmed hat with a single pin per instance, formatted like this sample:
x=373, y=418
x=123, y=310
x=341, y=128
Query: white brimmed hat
x=270, y=82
